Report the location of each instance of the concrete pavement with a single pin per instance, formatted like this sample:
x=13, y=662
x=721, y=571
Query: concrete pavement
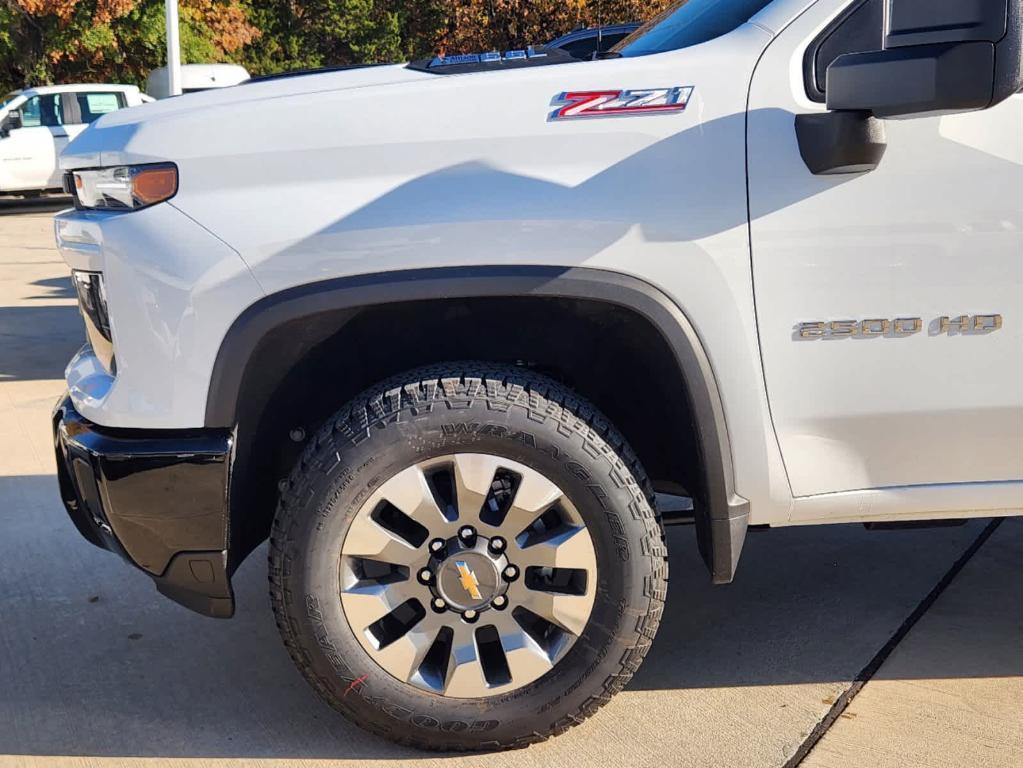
x=950, y=693
x=96, y=669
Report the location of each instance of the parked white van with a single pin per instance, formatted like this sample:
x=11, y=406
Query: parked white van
x=37, y=123
x=196, y=77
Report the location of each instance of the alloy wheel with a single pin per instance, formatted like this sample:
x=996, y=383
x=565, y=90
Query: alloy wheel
x=468, y=575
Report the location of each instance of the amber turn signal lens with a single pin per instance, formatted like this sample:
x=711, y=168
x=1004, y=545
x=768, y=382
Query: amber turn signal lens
x=153, y=185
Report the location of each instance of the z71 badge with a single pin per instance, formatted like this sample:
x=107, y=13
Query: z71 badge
x=646, y=101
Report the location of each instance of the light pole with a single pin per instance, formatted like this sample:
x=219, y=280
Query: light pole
x=173, y=49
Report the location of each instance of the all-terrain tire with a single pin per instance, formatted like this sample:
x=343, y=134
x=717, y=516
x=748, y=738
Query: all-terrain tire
x=477, y=408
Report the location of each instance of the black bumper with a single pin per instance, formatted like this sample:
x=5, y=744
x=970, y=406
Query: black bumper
x=158, y=498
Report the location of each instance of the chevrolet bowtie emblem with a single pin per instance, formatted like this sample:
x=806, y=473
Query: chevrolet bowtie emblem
x=468, y=579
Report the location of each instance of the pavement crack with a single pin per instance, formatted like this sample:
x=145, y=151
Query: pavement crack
x=868, y=672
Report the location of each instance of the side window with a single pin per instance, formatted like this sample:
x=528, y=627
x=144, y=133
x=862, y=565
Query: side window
x=42, y=111
x=94, y=104
x=860, y=28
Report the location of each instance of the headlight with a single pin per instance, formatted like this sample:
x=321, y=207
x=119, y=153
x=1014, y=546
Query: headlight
x=124, y=188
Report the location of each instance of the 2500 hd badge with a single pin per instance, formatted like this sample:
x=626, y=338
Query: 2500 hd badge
x=963, y=325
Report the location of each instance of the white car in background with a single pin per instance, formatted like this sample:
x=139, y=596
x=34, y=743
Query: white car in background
x=196, y=77
x=37, y=123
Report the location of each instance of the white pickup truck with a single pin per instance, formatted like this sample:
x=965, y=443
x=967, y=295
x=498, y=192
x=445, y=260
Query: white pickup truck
x=37, y=123
x=442, y=331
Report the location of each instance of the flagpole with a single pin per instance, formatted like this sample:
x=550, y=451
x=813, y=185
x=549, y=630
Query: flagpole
x=173, y=48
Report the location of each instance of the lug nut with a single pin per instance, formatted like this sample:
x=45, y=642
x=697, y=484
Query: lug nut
x=439, y=604
x=497, y=545
x=511, y=573
x=470, y=615
x=467, y=534
x=437, y=545
x=500, y=602
x=425, y=576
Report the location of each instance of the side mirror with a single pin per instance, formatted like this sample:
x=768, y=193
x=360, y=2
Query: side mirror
x=10, y=123
x=938, y=56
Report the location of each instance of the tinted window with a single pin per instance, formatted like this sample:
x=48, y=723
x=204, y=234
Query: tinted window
x=94, y=104
x=689, y=22
x=42, y=111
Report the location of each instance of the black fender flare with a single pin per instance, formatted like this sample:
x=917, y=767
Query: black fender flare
x=723, y=520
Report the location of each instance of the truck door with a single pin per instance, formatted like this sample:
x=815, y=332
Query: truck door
x=889, y=302
x=29, y=154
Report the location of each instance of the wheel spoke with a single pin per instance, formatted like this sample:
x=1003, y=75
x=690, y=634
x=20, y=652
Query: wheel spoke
x=368, y=539
x=465, y=673
x=569, y=612
x=410, y=492
x=403, y=657
x=365, y=602
x=569, y=548
x=526, y=659
x=534, y=496
x=474, y=475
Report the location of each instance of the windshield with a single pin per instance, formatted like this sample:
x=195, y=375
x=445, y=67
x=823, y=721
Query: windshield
x=688, y=22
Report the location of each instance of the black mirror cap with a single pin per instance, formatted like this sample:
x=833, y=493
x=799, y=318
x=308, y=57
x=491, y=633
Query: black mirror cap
x=918, y=80
x=939, y=56
x=925, y=22
x=833, y=143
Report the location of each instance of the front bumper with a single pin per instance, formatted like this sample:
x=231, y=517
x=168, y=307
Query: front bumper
x=158, y=498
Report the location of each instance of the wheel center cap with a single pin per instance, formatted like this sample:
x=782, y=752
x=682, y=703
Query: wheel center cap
x=468, y=579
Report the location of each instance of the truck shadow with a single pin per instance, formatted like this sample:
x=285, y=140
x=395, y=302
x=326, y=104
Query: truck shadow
x=687, y=195
x=36, y=342
x=54, y=288
x=94, y=663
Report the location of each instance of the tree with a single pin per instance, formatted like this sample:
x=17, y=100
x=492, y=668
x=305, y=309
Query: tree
x=422, y=23
x=481, y=25
x=317, y=33
x=46, y=41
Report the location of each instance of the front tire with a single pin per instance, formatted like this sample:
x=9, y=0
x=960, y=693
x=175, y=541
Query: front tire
x=466, y=557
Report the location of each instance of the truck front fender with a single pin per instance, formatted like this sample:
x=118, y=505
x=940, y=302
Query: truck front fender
x=722, y=516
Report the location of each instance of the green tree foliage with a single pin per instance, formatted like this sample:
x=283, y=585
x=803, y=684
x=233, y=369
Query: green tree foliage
x=52, y=41
x=316, y=33
x=46, y=41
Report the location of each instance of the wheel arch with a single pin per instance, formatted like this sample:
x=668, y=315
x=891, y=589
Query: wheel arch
x=321, y=308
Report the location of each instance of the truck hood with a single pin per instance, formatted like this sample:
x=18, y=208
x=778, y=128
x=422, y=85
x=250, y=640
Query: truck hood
x=152, y=133
x=107, y=141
